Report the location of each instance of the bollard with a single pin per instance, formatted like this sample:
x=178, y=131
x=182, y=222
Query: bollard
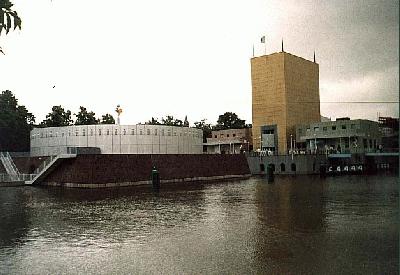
x=155, y=178
x=322, y=170
x=270, y=173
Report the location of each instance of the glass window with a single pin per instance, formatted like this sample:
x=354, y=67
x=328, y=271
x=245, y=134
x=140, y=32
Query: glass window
x=124, y=132
x=91, y=132
x=99, y=132
x=324, y=129
x=141, y=132
x=174, y=133
x=62, y=134
x=234, y=135
x=108, y=132
x=155, y=132
x=162, y=132
x=116, y=131
x=215, y=136
x=316, y=128
x=132, y=132
x=83, y=132
x=352, y=126
x=227, y=135
x=169, y=133
x=69, y=133
x=308, y=129
x=76, y=132
x=51, y=134
x=333, y=128
x=148, y=132
x=344, y=127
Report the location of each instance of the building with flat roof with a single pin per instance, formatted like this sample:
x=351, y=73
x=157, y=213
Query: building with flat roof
x=285, y=93
x=117, y=139
x=340, y=136
x=229, y=141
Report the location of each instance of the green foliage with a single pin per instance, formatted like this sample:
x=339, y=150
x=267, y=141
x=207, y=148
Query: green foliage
x=229, y=120
x=57, y=118
x=15, y=124
x=206, y=127
x=85, y=118
x=8, y=18
x=170, y=121
x=153, y=121
x=107, y=119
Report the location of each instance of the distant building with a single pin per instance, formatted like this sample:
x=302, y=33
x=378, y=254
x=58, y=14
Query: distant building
x=117, y=139
x=230, y=141
x=340, y=136
x=389, y=127
x=285, y=93
x=325, y=119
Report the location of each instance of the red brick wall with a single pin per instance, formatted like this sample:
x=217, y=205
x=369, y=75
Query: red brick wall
x=99, y=169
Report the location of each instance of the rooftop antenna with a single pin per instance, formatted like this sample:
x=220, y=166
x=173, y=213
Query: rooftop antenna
x=282, y=46
x=119, y=111
x=314, y=56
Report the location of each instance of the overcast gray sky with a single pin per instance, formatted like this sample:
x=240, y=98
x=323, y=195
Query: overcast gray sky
x=181, y=57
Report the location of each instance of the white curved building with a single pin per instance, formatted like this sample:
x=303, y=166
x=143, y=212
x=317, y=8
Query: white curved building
x=117, y=139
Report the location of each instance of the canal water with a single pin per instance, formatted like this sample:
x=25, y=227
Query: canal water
x=297, y=225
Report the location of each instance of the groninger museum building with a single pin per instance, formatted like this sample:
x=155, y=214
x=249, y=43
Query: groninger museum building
x=117, y=139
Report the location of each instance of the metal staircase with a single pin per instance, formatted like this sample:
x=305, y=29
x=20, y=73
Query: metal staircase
x=9, y=165
x=47, y=167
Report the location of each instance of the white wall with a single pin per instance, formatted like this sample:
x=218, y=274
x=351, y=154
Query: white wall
x=118, y=139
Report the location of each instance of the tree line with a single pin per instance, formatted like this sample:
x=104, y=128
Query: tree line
x=16, y=122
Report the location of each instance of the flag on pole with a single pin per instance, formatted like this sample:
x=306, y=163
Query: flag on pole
x=263, y=39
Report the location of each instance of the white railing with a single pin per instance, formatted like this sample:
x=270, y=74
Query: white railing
x=8, y=164
x=12, y=178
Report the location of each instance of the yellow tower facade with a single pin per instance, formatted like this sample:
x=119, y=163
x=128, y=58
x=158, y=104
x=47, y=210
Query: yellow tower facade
x=285, y=93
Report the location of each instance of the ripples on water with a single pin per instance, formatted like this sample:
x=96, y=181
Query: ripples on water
x=297, y=225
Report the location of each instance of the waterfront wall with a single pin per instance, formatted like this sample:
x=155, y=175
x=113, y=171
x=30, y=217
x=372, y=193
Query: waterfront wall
x=121, y=170
x=286, y=164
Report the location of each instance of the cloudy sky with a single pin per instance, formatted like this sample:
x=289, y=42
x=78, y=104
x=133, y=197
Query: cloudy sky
x=181, y=57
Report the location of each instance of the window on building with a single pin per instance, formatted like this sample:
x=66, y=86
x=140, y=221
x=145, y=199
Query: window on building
x=300, y=131
x=148, y=132
x=116, y=132
x=51, y=134
x=293, y=167
x=344, y=127
x=155, y=132
x=62, y=134
x=83, y=132
x=234, y=135
x=308, y=129
x=124, y=132
x=132, y=132
x=334, y=128
x=375, y=143
x=283, y=167
x=76, y=133
x=316, y=128
x=174, y=133
x=108, y=132
x=352, y=126
x=162, y=132
x=365, y=143
x=324, y=129
x=91, y=132
x=215, y=136
x=227, y=135
x=99, y=132
x=141, y=132
x=370, y=143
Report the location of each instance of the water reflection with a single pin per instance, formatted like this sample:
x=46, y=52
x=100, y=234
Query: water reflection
x=296, y=225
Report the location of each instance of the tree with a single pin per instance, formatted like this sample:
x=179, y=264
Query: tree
x=107, y=119
x=8, y=18
x=206, y=127
x=170, y=121
x=57, y=118
x=85, y=118
x=229, y=120
x=186, y=122
x=15, y=124
x=153, y=121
